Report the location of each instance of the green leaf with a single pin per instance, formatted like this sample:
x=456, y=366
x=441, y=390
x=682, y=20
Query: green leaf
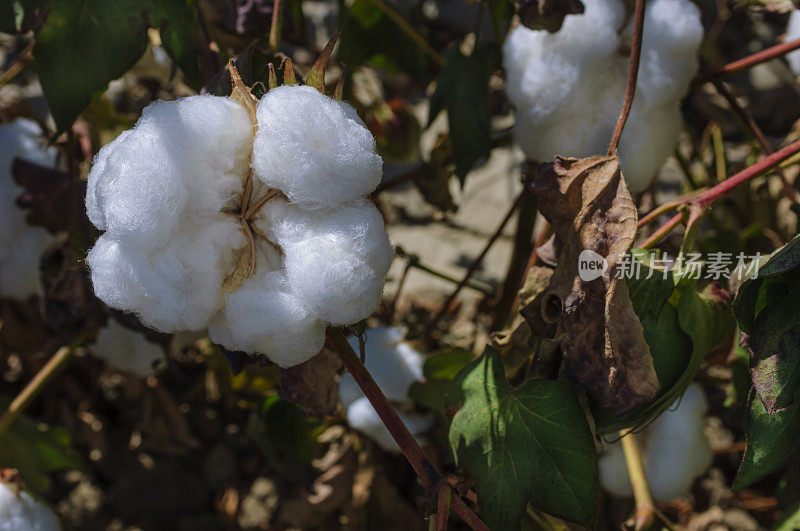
x=529, y=443
x=771, y=440
x=445, y=365
x=462, y=88
x=35, y=450
x=177, y=23
x=431, y=394
x=790, y=521
x=11, y=13
x=289, y=435
x=83, y=45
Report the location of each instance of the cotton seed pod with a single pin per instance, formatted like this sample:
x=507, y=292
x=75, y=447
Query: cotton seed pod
x=675, y=451
x=568, y=86
x=263, y=256
x=394, y=365
x=20, y=512
x=21, y=245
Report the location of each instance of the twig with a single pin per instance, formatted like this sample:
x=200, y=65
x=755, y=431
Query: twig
x=275, y=27
x=645, y=508
x=475, y=264
x=757, y=58
x=414, y=261
x=443, y=497
x=29, y=392
x=400, y=284
x=409, y=30
x=633, y=74
x=19, y=63
x=523, y=247
x=756, y=131
x=663, y=231
x=430, y=478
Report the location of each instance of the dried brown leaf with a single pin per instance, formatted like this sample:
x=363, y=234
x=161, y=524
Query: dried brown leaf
x=314, y=385
x=589, y=206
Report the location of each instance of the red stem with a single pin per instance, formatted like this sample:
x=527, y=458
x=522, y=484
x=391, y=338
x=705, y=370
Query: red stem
x=757, y=58
x=659, y=235
x=431, y=479
x=633, y=74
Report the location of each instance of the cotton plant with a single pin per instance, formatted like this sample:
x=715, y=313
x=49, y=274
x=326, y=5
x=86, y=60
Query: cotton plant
x=675, y=451
x=394, y=365
x=246, y=217
x=568, y=86
x=793, y=33
x=20, y=512
x=127, y=350
x=21, y=244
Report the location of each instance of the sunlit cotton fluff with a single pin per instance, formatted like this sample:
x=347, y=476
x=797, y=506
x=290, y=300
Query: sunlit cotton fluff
x=793, y=33
x=21, y=245
x=23, y=513
x=675, y=451
x=568, y=86
x=313, y=148
x=127, y=350
x=394, y=365
x=168, y=195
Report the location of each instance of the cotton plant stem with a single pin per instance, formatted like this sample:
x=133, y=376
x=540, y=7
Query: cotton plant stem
x=757, y=58
x=430, y=478
x=475, y=264
x=414, y=262
x=29, y=392
x=663, y=231
x=443, y=498
x=400, y=285
x=409, y=30
x=523, y=247
x=275, y=27
x=645, y=507
x=633, y=74
x=19, y=64
x=750, y=123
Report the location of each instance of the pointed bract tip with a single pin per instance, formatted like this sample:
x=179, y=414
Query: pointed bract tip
x=316, y=76
x=288, y=72
x=273, y=79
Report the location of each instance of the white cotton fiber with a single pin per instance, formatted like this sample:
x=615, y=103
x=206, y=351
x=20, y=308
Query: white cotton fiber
x=568, y=87
x=394, y=365
x=262, y=317
x=176, y=250
x=23, y=513
x=314, y=149
x=793, y=33
x=675, y=451
x=335, y=260
x=127, y=350
x=21, y=245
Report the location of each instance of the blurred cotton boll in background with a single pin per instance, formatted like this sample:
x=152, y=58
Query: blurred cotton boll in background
x=21, y=245
x=568, y=87
x=127, y=350
x=675, y=451
x=394, y=365
x=792, y=33
x=20, y=512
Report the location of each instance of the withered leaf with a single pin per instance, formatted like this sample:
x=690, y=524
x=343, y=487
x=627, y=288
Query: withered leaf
x=313, y=385
x=589, y=206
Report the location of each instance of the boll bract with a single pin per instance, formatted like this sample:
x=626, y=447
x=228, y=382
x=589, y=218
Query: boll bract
x=20, y=512
x=127, y=350
x=675, y=451
x=183, y=252
x=394, y=365
x=568, y=87
x=21, y=245
x=793, y=33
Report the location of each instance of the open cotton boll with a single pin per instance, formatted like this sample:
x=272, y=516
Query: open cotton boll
x=314, y=149
x=394, y=365
x=262, y=317
x=19, y=268
x=23, y=513
x=675, y=451
x=792, y=33
x=363, y=417
x=335, y=260
x=127, y=350
x=568, y=86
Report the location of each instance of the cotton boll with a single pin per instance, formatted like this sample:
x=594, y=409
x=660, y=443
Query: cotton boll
x=184, y=159
x=173, y=287
x=792, y=33
x=394, y=364
x=127, y=350
x=363, y=417
x=675, y=451
x=19, y=268
x=335, y=260
x=262, y=317
x=314, y=149
x=23, y=513
x=568, y=87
